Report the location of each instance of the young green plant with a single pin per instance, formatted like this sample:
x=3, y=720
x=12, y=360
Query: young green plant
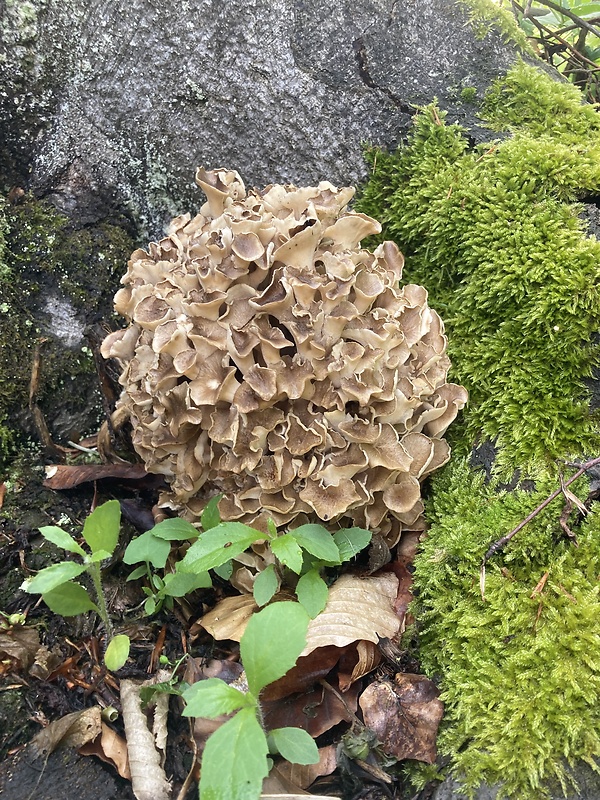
x=305, y=551
x=270, y=647
x=63, y=595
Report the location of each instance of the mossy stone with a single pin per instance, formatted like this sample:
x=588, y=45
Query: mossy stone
x=494, y=233
x=55, y=280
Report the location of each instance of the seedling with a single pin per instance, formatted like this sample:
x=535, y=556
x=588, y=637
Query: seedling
x=63, y=595
x=304, y=550
x=153, y=549
x=270, y=647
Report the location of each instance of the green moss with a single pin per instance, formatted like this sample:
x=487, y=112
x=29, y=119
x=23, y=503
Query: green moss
x=521, y=671
x=494, y=234
x=468, y=94
x=486, y=14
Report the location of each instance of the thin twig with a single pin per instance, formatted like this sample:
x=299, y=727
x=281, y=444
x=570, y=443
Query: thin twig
x=501, y=543
x=566, y=12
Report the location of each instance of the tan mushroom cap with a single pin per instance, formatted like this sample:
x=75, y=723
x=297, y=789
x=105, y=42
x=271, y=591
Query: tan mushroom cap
x=270, y=359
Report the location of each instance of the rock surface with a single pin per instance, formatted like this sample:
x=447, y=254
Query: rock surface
x=119, y=108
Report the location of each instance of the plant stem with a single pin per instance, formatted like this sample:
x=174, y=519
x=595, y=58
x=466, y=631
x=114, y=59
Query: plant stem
x=94, y=570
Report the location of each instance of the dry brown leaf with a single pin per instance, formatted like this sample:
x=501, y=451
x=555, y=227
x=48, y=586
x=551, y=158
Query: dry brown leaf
x=356, y=662
x=357, y=608
x=20, y=645
x=316, y=712
x=404, y=715
x=73, y=730
x=2, y=493
x=110, y=748
x=308, y=670
x=62, y=476
x=228, y=619
x=198, y=669
x=304, y=776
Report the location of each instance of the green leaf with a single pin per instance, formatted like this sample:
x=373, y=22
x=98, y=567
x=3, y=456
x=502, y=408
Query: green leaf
x=212, y=697
x=272, y=642
x=294, y=744
x=174, y=530
x=178, y=584
x=98, y=555
x=225, y=571
x=117, y=652
x=265, y=585
x=138, y=572
x=312, y=593
x=317, y=541
x=150, y=606
x=351, y=541
x=101, y=528
x=147, y=547
x=68, y=600
x=288, y=551
x=148, y=693
x=234, y=762
x=61, y=538
x=51, y=577
x=210, y=516
x=219, y=544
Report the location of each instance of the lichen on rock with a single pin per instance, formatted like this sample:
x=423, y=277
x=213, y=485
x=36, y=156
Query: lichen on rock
x=271, y=359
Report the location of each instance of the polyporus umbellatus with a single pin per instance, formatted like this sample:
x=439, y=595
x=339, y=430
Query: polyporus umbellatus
x=271, y=359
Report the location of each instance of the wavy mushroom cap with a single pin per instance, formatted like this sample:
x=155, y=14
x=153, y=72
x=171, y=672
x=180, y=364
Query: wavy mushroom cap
x=271, y=359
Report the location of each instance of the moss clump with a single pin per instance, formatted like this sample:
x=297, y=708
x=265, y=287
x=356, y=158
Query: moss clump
x=486, y=14
x=493, y=233
x=521, y=671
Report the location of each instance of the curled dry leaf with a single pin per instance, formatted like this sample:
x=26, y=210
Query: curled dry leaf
x=148, y=779
x=404, y=715
x=357, y=608
x=62, y=476
x=19, y=646
x=305, y=775
x=110, y=748
x=356, y=662
x=228, y=619
x=73, y=730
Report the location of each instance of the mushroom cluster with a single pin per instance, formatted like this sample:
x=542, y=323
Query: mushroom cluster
x=272, y=360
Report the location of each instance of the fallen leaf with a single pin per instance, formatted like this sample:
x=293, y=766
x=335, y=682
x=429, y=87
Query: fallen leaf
x=305, y=775
x=62, y=476
x=73, y=730
x=110, y=748
x=198, y=669
x=357, y=608
x=357, y=661
x=228, y=619
x=316, y=711
x=308, y=670
x=404, y=715
x=19, y=644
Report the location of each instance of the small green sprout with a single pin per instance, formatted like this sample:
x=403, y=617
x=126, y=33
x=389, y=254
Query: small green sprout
x=269, y=648
x=63, y=595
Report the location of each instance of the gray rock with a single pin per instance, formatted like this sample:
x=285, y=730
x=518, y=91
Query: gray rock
x=586, y=786
x=120, y=104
